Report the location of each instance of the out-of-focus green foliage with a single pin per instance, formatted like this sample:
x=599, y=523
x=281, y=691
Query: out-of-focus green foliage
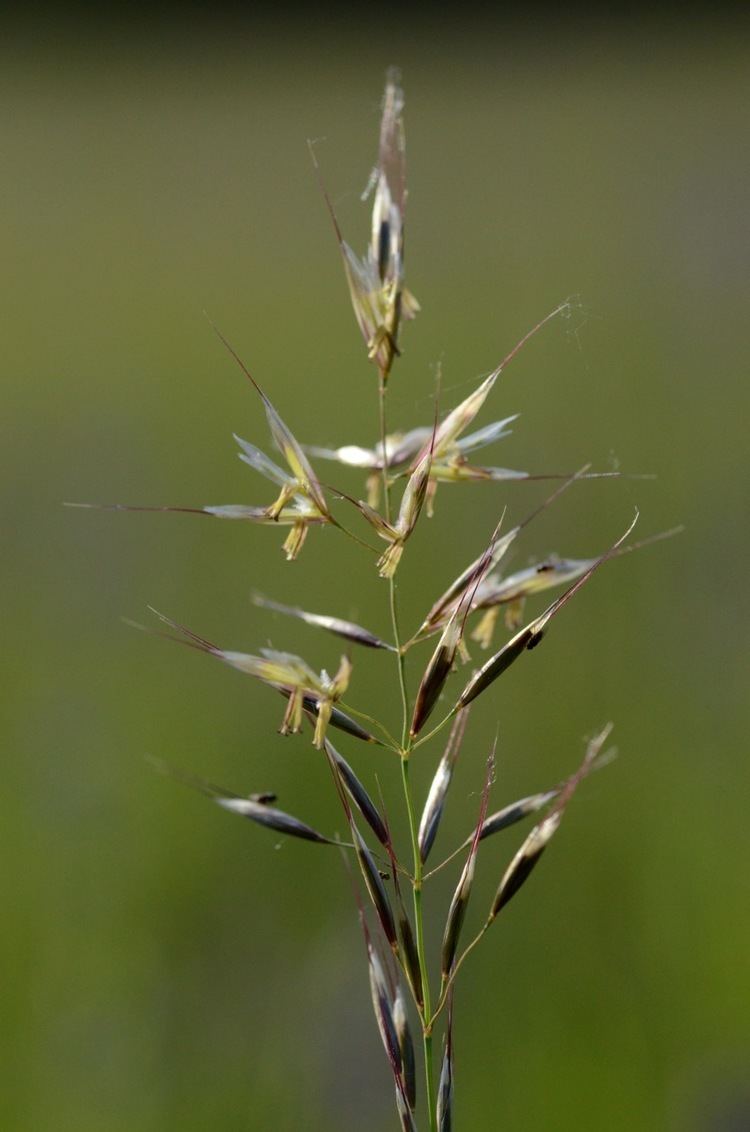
x=167, y=966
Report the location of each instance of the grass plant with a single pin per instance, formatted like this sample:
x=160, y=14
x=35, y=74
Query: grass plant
x=403, y=469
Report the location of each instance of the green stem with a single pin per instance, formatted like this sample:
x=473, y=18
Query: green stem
x=446, y=861
x=426, y=1010
x=405, y=738
x=430, y=734
x=391, y=742
x=448, y=983
x=350, y=534
x=419, y=926
x=383, y=434
x=391, y=582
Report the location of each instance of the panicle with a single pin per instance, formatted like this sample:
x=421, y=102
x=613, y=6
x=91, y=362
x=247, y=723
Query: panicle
x=423, y=457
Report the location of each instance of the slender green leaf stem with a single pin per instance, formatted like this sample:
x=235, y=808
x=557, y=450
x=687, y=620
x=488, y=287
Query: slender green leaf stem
x=448, y=982
x=426, y=1010
x=350, y=534
x=427, y=1016
x=447, y=860
x=405, y=738
x=431, y=734
x=392, y=743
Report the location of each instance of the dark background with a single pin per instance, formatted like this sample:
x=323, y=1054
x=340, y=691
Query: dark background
x=167, y=966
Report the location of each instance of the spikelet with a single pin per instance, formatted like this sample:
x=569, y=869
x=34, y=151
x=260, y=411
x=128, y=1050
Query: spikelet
x=527, y=857
x=255, y=807
x=435, y=804
x=376, y=282
x=530, y=636
x=336, y=625
x=460, y=901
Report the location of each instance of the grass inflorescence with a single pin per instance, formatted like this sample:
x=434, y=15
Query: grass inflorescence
x=403, y=469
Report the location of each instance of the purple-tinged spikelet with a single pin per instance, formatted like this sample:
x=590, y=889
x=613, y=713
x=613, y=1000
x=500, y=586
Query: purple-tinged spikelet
x=530, y=636
x=460, y=901
x=435, y=804
x=527, y=857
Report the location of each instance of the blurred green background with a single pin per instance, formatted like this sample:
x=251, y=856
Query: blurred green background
x=167, y=966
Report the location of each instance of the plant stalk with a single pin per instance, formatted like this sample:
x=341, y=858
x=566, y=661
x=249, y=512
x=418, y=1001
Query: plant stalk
x=419, y=926
x=426, y=1011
